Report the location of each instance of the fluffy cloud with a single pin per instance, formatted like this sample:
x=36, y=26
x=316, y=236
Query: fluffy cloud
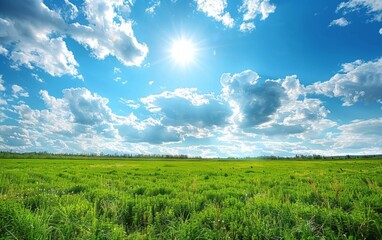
x=187, y=107
x=362, y=135
x=69, y=11
x=247, y=26
x=27, y=28
x=253, y=101
x=355, y=82
x=109, y=33
x=373, y=7
x=18, y=91
x=33, y=36
x=273, y=107
x=217, y=10
x=14, y=136
x=248, y=116
x=87, y=108
x=80, y=121
x=251, y=9
x=341, y=22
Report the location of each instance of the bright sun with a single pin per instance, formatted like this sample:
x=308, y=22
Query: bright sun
x=183, y=51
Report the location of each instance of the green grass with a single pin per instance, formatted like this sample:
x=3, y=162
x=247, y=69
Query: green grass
x=135, y=199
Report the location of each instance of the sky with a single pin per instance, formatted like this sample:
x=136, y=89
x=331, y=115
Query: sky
x=209, y=78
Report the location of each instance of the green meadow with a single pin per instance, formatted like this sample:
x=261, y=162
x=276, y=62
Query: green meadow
x=190, y=199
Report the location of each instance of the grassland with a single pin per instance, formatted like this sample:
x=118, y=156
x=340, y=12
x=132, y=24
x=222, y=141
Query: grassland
x=174, y=199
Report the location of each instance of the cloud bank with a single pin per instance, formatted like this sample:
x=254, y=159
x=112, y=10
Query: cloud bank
x=34, y=36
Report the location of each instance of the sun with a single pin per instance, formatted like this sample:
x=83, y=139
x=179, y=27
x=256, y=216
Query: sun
x=183, y=51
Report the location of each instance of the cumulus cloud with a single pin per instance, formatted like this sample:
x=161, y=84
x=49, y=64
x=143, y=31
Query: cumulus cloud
x=27, y=30
x=365, y=135
x=341, y=22
x=273, y=107
x=33, y=36
x=69, y=11
x=253, y=101
x=380, y=31
x=251, y=9
x=18, y=91
x=357, y=81
x=80, y=121
x=217, y=10
x=87, y=108
x=185, y=106
x=109, y=33
x=247, y=26
x=372, y=7
x=14, y=136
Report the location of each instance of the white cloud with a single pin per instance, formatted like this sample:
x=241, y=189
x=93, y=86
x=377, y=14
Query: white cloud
x=341, y=22
x=272, y=107
x=380, y=31
x=130, y=103
x=355, y=82
x=18, y=91
x=87, y=108
x=252, y=8
x=81, y=121
x=109, y=33
x=247, y=26
x=152, y=132
x=14, y=137
x=217, y=10
x=27, y=32
x=185, y=106
x=365, y=136
x=2, y=88
x=69, y=11
x=253, y=101
x=3, y=51
x=33, y=36
x=373, y=7
x=151, y=82
x=151, y=9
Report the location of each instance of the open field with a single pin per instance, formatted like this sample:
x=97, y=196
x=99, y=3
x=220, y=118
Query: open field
x=177, y=199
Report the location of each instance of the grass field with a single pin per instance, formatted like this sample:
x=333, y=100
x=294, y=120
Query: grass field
x=174, y=199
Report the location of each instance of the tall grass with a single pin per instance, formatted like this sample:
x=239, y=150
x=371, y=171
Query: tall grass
x=132, y=199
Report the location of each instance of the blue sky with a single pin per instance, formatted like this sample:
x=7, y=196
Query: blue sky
x=250, y=78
